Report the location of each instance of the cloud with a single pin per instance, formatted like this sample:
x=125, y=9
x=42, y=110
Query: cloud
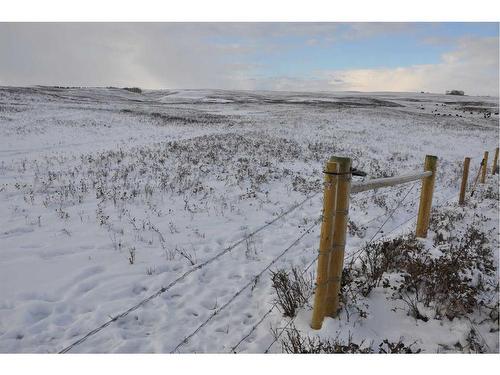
x=154, y=55
x=150, y=55
x=221, y=55
x=472, y=67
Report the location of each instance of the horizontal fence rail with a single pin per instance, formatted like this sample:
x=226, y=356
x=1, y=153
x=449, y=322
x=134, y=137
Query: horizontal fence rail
x=377, y=183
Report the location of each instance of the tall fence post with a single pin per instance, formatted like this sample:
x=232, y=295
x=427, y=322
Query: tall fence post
x=325, y=244
x=495, y=163
x=339, y=235
x=424, y=208
x=465, y=177
x=485, y=167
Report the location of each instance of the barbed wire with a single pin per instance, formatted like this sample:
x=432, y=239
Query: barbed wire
x=290, y=321
x=393, y=211
x=445, y=200
x=252, y=281
x=274, y=305
x=404, y=205
x=185, y=274
x=359, y=251
x=396, y=227
x=385, y=213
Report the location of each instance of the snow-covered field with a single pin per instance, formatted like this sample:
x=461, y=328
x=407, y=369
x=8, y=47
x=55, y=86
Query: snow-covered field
x=107, y=196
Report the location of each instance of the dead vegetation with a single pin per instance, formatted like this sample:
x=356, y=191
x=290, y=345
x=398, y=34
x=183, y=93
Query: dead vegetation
x=453, y=279
x=295, y=343
x=292, y=290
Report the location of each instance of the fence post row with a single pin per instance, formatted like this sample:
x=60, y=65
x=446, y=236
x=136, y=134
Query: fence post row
x=463, y=186
x=424, y=208
x=484, y=170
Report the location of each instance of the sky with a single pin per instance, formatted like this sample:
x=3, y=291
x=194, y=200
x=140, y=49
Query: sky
x=430, y=57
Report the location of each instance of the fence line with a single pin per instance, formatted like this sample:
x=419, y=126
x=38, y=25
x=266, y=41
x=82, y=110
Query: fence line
x=334, y=232
x=307, y=268
x=356, y=187
x=412, y=217
x=359, y=187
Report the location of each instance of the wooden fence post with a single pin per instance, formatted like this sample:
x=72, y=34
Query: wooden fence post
x=483, y=172
x=495, y=162
x=339, y=235
x=465, y=177
x=325, y=244
x=424, y=208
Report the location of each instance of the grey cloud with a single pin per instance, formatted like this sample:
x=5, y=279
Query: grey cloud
x=152, y=55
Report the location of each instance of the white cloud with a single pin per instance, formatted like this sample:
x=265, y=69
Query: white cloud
x=472, y=67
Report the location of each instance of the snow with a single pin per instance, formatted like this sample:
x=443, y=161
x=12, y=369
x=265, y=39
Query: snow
x=200, y=169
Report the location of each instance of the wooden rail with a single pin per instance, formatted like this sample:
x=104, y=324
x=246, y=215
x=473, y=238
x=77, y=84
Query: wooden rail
x=358, y=187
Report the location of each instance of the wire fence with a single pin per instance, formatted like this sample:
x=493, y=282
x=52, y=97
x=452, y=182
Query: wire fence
x=391, y=214
x=247, y=285
x=291, y=320
x=186, y=274
x=268, y=312
x=253, y=280
x=373, y=239
x=351, y=257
